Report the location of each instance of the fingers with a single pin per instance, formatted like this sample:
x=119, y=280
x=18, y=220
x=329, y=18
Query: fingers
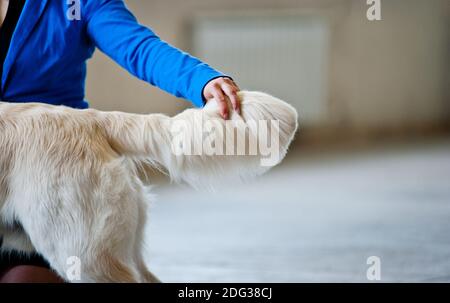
x=223, y=89
x=231, y=92
x=221, y=101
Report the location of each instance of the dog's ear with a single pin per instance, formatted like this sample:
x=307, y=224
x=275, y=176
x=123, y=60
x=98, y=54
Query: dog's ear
x=201, y=149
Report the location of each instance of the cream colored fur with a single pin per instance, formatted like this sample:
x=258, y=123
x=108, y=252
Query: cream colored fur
x=70, y=186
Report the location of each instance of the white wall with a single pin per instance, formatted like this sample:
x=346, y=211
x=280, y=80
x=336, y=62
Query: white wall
x=387, y=73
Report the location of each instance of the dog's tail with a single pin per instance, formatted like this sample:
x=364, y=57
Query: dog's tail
x=201, y=149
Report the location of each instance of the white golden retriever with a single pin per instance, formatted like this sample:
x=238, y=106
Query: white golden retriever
x=70, y=179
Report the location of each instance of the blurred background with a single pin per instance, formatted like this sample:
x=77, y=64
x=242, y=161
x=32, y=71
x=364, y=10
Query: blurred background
x=369, y=172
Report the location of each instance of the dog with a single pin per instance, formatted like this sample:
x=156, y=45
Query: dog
x=71, y=181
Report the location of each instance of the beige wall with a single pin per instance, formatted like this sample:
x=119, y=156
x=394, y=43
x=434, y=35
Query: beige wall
x=392, y=72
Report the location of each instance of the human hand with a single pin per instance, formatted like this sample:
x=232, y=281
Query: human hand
x=223, y=89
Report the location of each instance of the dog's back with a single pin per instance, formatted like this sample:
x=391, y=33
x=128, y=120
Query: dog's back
x=69, y=176
x=35, y=133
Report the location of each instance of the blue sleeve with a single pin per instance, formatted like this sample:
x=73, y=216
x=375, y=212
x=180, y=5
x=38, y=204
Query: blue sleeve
x=116, y=32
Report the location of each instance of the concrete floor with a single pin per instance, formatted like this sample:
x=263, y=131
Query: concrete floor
x=314, y=219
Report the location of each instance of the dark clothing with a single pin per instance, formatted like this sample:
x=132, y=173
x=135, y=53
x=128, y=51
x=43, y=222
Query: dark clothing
x=10, y=260
x=7, y=29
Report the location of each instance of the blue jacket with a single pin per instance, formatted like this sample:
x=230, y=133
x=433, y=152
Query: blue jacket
x=46, y=61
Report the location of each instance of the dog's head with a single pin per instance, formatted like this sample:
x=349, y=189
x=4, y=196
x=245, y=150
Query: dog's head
x=207, y=150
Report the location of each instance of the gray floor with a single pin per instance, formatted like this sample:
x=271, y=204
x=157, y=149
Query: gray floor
x=314, y=219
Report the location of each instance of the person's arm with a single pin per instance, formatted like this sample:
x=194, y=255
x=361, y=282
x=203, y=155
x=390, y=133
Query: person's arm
x=116, y=32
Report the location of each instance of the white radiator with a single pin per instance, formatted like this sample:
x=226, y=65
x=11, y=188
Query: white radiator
x=284, y=56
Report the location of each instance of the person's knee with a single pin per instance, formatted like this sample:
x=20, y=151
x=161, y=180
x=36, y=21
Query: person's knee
x=30, y=274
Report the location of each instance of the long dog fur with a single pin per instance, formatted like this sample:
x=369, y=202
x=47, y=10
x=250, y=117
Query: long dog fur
x=69, y=181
